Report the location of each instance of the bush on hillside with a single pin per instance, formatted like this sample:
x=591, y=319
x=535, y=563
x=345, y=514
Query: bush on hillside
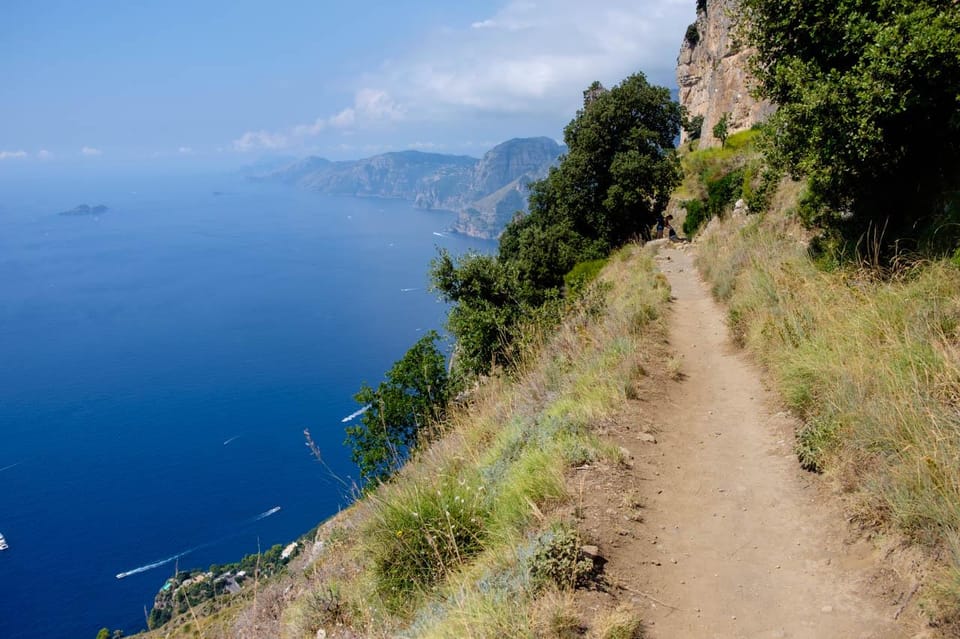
x=693, y=126
x=582, y=274
x=616, y=178
x=413, y=397
x=420, y=534
x=559, y=561
x=696, y=216
x=723, y=190
x=867, y=94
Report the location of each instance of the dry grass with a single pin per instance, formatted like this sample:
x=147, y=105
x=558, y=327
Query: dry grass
x=622, y=623
x=872, y=366
x=445, y=550
x=554, y=616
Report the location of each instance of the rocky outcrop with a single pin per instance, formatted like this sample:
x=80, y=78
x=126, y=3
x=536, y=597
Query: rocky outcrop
x=500, y=184
x=712, y=71
x=486, y=193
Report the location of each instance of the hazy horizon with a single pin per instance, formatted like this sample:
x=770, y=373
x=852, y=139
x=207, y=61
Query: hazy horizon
x=109, y=86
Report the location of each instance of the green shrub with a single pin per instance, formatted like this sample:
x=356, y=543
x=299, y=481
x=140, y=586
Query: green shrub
x=723, y=191
x=582, y=274
x=413, y=397
x=559, y=561
x=721, y=130
x=693, y=126
x=693, y=35
x=758, y=197
x=420, y=534
x=696, y=216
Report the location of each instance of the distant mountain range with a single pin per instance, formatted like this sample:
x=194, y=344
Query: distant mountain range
x=486, y=192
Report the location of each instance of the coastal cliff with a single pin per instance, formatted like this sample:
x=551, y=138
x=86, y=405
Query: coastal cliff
x=713, y=75
x=485, y=192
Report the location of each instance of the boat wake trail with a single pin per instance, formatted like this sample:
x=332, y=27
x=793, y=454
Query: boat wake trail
x=10, y=466
x=172, y=558
x=354, y=415
x=438, y=234
x=234, y=438
x=267, y=513
x=408, y=290
x=156, y=564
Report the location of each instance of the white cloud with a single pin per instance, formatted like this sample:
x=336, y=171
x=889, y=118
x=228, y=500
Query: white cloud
x=90, y=151
x=185, y=150
x=344, y=119
x=253, y=140
x=309, y=130
x=537, y=58
x=43, y=154
x=376, y=104
x=527, y=61
x=12, y=155
x=370, y=106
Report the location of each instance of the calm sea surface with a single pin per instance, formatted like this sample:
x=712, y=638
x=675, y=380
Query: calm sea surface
x=158, y=365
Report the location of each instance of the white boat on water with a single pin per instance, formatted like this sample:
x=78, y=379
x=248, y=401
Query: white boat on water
x=3, y=543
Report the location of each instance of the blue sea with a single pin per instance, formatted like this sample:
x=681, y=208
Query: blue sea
x=159, y=363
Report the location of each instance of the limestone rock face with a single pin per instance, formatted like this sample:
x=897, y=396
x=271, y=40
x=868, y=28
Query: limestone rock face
x=713, y=75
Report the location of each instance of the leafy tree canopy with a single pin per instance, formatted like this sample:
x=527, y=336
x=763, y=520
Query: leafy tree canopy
x=615, y=180
x=721, y=130
x=868, y=94
x=413, y=396
x=489, y=304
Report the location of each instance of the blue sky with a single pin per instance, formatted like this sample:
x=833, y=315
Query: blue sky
x=221, y=83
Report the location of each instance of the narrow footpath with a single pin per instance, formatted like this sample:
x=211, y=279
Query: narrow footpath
x=737, y=540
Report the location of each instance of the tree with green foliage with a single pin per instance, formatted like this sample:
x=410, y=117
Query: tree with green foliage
x=489, y=303
x=693, y=126
x=868, y=106
x=616, y=178
x=721, y=130
x=413, y=397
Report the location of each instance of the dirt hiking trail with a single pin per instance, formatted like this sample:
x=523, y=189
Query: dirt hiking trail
x=736, y=540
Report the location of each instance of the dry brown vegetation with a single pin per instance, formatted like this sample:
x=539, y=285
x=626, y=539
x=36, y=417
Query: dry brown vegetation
x=480, y=528
x=870, y=362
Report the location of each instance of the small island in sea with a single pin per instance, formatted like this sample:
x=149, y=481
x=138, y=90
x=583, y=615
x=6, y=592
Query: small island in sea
x=86, y=209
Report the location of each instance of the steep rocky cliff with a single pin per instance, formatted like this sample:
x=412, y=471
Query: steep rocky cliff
x=712, y=72
x=499, y=186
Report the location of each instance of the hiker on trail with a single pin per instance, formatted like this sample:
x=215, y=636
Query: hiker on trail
x=660, y=225
x=671, y=233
